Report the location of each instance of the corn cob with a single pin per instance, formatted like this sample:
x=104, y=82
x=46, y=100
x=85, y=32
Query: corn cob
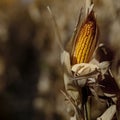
x=86, y=41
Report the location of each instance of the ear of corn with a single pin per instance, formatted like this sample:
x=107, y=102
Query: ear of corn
x=86, y=41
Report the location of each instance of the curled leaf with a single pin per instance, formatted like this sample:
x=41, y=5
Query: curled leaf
x=84, y=69
x=85, y=74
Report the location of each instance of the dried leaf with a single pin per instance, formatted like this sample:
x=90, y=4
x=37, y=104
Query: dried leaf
x=85, y=73
x=108, y=114
x=97, y=107
x=118, y=106
x=84, y=69
x=104, y=66
x=71, y=89
x=78, y=115
x=65, y=60
x=109, y=85
x=103, y=53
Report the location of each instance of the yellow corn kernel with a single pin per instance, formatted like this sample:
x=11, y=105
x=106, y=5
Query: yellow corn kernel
x=86, y=41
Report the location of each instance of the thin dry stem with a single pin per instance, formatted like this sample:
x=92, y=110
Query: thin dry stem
x=56, y=27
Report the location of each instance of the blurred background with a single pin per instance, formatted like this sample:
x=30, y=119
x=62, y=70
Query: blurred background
x=30, y=70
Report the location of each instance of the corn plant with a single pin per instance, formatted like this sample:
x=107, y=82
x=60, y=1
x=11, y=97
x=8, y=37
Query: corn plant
x=90, y=87
x=91, y=91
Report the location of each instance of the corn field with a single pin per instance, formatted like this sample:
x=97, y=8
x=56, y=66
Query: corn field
x=59, y=60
